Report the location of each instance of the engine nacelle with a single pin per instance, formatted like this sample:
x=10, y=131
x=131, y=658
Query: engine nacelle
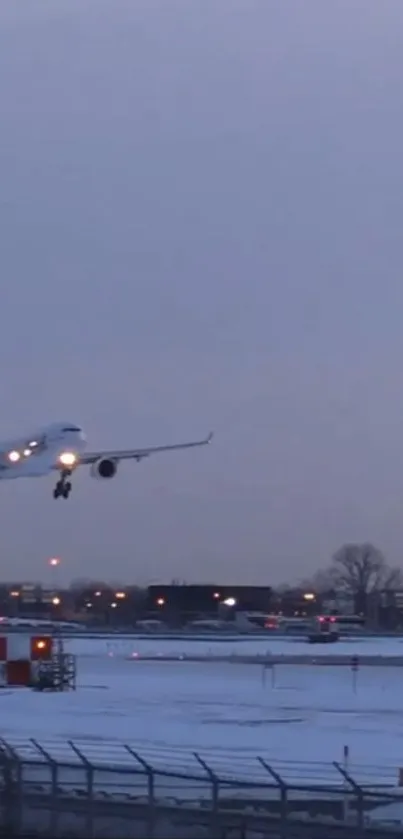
x=104, y=468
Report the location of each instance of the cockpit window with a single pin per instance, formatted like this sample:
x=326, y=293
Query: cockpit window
x=71, y=428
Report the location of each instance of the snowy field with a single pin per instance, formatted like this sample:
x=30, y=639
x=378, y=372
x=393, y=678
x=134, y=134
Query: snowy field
x=160, y=647
x=297, y=717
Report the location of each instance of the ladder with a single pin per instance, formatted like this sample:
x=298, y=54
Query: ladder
x=59, y=672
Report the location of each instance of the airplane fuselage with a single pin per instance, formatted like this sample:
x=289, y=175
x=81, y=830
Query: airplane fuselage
x=40, y=454
x=62, y=446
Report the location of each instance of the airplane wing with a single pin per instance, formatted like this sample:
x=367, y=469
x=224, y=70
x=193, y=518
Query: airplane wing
x=138, y=454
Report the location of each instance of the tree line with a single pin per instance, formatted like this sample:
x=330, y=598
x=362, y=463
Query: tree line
x=359, y=570
x=356, y=569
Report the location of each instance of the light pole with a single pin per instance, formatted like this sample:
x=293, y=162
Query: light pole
x=54, y=563
x=55, y=605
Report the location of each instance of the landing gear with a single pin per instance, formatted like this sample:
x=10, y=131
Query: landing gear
x=63, y=486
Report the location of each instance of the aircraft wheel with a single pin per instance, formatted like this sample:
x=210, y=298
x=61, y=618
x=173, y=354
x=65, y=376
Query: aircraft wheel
x=58, y=490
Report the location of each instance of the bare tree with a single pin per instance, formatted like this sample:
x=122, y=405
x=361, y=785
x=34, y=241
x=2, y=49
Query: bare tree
x=321, y=582
x=283, y=588
x=362, y=569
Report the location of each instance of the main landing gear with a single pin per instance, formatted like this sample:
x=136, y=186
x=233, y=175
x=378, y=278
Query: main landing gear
x=63, y=486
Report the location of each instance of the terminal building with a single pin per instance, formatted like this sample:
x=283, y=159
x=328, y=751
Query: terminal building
x=179, y=604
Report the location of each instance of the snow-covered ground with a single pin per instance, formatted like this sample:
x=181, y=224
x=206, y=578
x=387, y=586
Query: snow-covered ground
x=297, y=717
x=240, y=646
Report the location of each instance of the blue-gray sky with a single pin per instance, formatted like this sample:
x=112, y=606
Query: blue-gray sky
x=201, y=227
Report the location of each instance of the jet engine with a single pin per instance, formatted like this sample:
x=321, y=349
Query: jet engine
x=104, y=468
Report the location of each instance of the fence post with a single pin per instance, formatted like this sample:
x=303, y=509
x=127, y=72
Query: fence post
x=346, y=755
x=89, y=768
x=13, y=789
x=151, y=788
x=272, y=668
x=215, y=784
x=359, y=792
x=355, y=664
x=282, y=787
x=51, y=762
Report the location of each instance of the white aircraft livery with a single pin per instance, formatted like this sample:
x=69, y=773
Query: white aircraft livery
x=61, y=447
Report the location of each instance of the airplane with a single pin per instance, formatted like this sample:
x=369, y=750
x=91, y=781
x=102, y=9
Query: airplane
x=61, y=447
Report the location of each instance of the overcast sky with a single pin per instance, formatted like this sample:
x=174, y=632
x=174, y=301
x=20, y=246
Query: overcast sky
x=202, y=228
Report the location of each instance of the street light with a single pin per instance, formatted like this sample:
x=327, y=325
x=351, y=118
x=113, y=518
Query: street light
x=54, y=561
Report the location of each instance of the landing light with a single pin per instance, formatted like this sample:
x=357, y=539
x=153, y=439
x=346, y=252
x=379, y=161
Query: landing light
x=27, y=452
x=68, y=458
x=14, y=456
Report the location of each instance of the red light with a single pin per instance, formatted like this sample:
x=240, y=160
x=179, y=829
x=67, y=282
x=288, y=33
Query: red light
x=332, y=619
x=322, y=619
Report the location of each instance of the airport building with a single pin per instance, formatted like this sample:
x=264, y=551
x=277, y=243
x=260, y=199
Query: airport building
x=175, y=605
x=178, y=604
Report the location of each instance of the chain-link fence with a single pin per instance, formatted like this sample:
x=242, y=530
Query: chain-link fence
x=68, y=791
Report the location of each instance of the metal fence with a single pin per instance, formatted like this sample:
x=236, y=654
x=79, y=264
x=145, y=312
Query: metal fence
x=73, y=789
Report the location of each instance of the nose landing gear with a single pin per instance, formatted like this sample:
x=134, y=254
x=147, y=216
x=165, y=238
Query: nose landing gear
x=63, y=486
